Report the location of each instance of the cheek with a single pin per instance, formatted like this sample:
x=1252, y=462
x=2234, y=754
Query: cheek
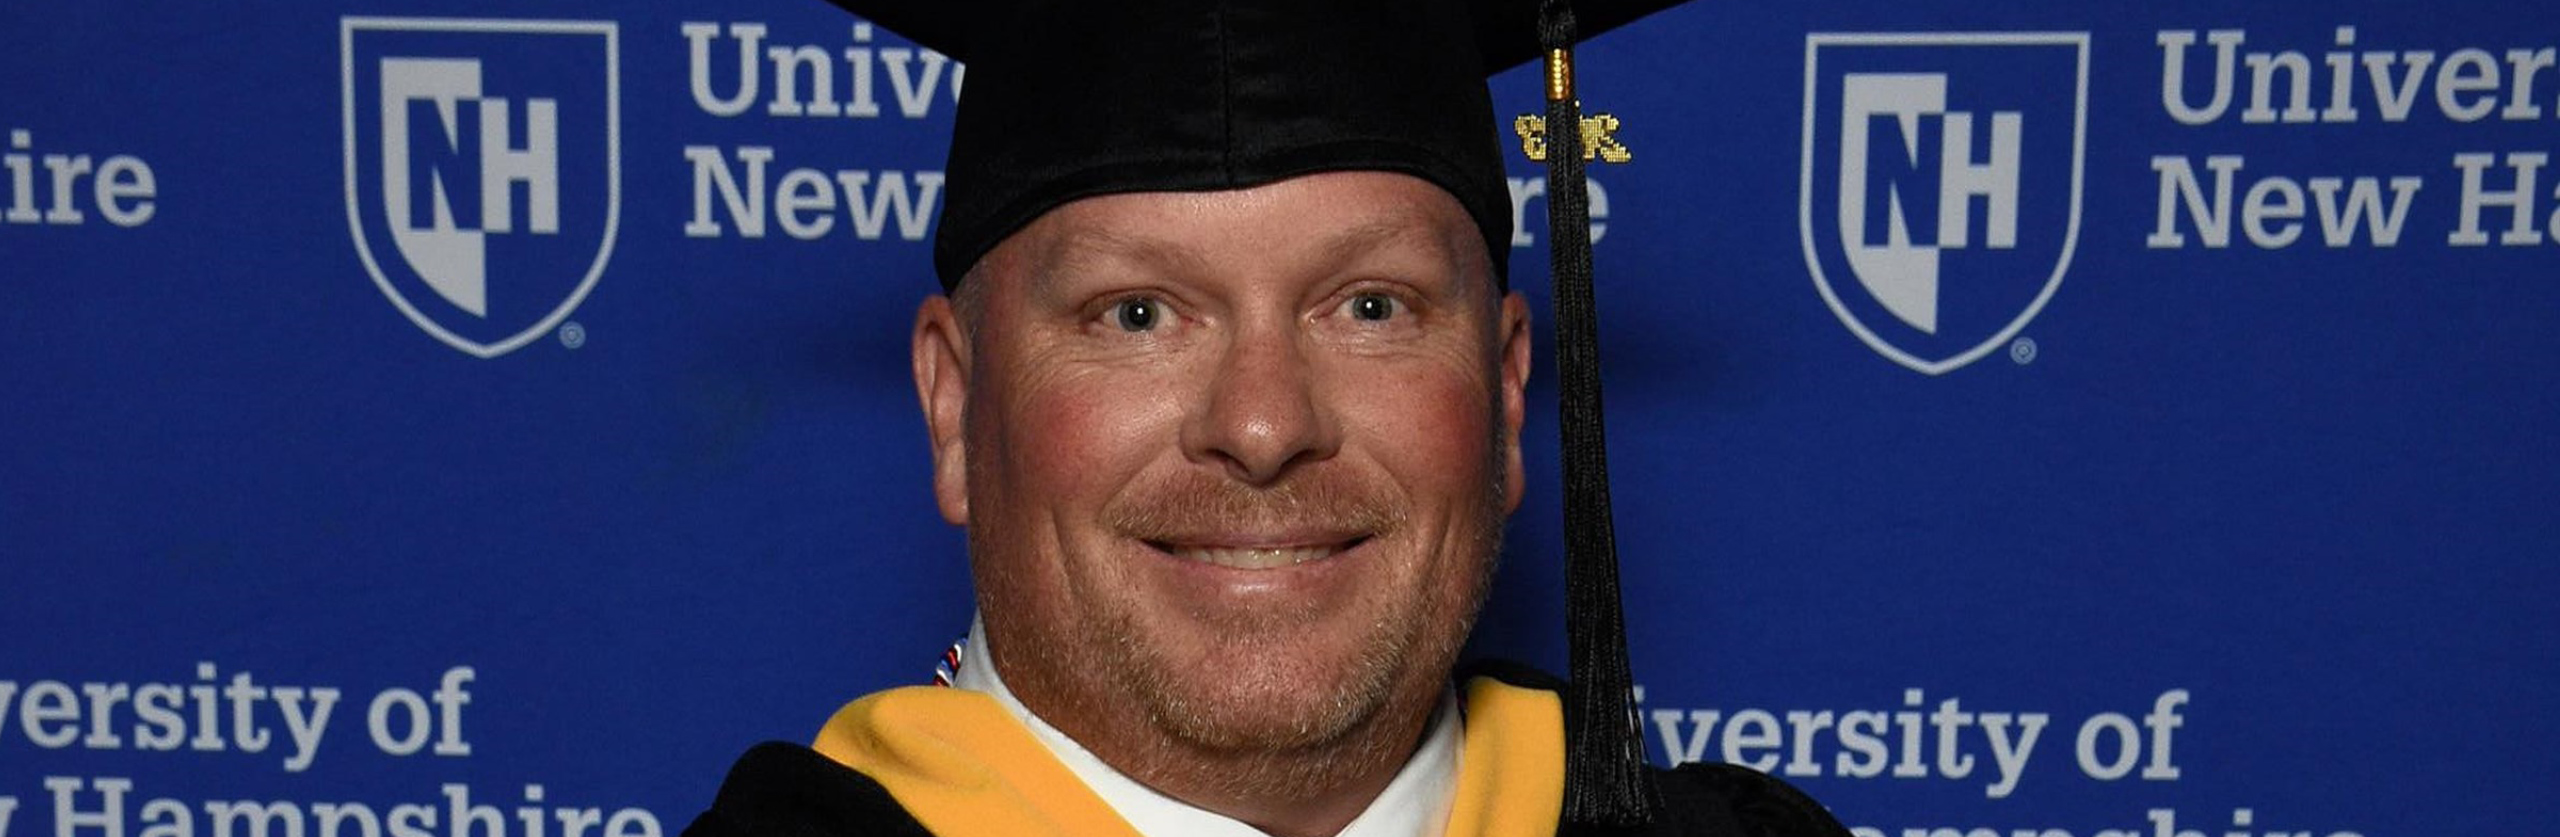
x=1432, y=432
x=1431, y=428
x=1075, y=436
x=1051, y=447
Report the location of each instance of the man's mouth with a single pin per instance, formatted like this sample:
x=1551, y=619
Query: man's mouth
x=1255, y=557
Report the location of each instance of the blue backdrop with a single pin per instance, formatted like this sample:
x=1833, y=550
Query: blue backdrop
x=487, y=418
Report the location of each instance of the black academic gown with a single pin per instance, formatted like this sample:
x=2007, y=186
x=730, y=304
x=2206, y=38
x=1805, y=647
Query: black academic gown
x=961, y=763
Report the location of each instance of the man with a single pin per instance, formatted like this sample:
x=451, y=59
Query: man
x=1227, y=391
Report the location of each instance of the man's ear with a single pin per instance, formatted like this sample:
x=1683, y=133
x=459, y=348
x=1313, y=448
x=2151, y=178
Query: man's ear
x=941, y=359
x=1515, y=395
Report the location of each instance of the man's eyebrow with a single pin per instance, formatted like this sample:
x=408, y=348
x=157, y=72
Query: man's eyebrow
x=1100, y=249
x=1093, y=249
x=1385, y=229
x=1406, y=226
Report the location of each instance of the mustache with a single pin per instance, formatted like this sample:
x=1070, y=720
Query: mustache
x=1192, y=504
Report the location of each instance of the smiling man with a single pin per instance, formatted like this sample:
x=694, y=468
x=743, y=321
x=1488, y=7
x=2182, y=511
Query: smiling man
x=1234, y=466
x=1227, y=389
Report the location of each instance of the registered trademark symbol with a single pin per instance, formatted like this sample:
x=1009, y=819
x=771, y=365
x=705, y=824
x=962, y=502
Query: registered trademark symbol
x=2023, y=350
x=573, y=335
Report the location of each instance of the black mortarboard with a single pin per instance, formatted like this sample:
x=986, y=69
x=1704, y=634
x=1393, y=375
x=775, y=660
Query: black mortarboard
x=1067, y=100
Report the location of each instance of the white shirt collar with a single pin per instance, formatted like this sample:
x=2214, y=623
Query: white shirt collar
x=1415, y=803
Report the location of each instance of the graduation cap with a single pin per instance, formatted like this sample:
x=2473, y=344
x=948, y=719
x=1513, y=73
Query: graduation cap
x=1068, y=100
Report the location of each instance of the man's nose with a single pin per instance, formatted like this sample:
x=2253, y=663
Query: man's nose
x=1262, y=414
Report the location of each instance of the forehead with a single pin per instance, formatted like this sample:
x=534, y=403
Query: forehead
x=1306, y=222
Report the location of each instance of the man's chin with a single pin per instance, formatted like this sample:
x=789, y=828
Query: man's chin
x=1273, y=700
x=1267, y=721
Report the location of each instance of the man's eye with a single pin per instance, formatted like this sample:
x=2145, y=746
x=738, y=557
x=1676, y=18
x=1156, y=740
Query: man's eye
x=1137, y=314
x=1372, y=308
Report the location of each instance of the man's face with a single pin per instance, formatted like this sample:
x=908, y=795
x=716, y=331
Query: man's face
x=1234, y=464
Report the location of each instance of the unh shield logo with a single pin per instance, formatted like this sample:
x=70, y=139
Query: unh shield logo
x=483, y=169
x=1941, y=190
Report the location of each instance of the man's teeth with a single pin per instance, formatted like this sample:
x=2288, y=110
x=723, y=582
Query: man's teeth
x=1255, y=559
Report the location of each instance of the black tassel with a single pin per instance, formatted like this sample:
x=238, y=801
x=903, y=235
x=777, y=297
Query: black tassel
x=1606, y=782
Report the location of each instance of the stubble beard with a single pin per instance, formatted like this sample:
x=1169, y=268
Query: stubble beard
x=1196, y=742
x=1276, y=732
x=1267, y=730
x=1271, y=733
